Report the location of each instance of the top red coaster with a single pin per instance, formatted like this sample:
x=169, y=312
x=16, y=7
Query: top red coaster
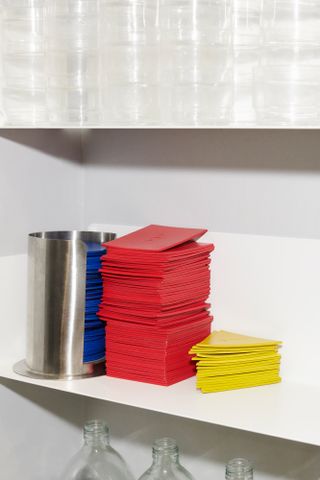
x=156, y=238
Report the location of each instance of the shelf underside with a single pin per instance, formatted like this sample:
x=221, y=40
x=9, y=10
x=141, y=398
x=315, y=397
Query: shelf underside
x=285, y=410
x=161, y=127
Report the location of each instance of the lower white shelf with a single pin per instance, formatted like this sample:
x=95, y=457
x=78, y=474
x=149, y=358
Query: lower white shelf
x=285, y=410
x=263, y=286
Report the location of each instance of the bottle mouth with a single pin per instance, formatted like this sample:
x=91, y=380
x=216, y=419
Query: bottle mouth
x=95, y=427
x=165, y=445
x=237, y=467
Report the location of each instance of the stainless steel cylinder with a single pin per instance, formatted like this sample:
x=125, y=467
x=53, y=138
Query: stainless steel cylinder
x=56, y=305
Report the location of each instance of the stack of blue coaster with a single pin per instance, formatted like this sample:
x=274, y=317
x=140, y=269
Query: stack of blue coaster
x=94, y=332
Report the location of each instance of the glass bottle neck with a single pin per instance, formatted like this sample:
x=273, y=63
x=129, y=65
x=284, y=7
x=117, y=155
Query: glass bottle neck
x=165, y=457
x=239, y=469
x=165, y=451
x=96, y=435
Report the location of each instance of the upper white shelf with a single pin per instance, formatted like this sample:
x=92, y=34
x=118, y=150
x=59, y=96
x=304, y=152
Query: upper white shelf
x=285, y=410
x=160, y=127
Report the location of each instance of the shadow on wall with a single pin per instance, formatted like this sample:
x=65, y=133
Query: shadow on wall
x=64, y=144
x=63, y=405
x=287, y=150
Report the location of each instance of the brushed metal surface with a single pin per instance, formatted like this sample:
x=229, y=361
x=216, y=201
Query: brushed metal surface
x=56, y=304
x=92, y=369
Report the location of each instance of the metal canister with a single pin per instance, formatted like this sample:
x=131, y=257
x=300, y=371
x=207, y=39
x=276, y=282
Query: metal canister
x=56, y=305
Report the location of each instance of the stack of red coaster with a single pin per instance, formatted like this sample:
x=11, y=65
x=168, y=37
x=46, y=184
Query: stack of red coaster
x=155, y=285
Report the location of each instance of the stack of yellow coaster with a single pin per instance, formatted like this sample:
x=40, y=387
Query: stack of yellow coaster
x=227, y=361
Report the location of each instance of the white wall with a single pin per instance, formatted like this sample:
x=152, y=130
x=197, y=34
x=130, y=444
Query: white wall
x=245, y=181
x=40, y=185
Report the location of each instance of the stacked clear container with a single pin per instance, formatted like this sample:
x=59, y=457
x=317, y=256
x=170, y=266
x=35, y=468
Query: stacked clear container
x=23, y=62
x=196, y=62
x=287, y=81
x=247, y=50
x=160, y=62
x=73, y=62
x=129, y=36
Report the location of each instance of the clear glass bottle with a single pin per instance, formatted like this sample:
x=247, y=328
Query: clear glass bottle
x=166, y=465
x=239, y=469
x=97, y=460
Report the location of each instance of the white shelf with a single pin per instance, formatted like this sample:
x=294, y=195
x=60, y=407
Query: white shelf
x=161, y=127
x=284, y=410
x=285, y=299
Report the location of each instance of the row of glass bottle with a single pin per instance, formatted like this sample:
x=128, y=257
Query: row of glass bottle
x=160, y=62
x=97, y=460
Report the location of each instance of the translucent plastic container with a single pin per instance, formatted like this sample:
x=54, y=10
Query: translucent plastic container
x=245, y=59
x=130, y=104
x=23, y=61
x=73, y=62
x=201, y=104
x=23, y=25
x=288, y=21
x=24, y=9
x=78, y=106
x=247, y=18
x=72, y=33
x=20, y=35
x=197, y=85
x=25, y=69
x=195, y=63
x=207, y=21
x=287, y=95
x=73, y=25
x=129, y=63
x=73, y=69
x=289, y=54
x=134, y=21
x=73, y=8
x=24, y=106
